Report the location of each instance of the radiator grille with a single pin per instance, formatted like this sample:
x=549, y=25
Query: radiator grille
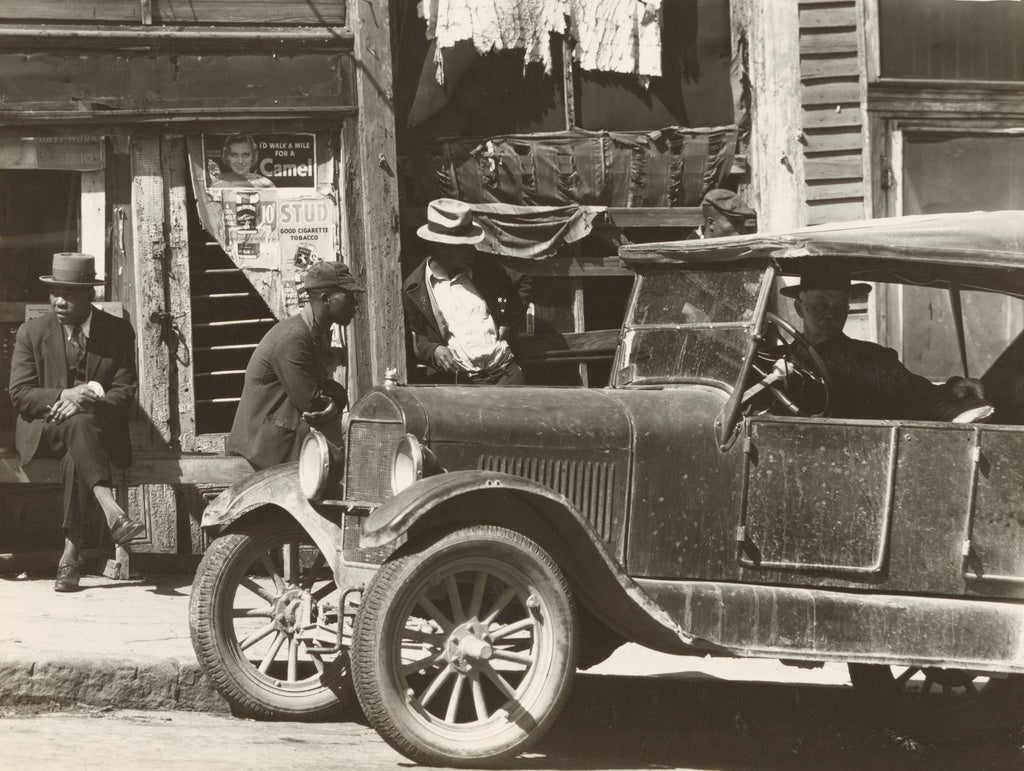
x=589, y=485
x=371, y=446
x=350, y=550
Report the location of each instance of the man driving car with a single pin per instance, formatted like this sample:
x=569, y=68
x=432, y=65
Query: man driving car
x=867, y=380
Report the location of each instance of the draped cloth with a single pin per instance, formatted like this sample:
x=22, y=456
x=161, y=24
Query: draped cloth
x=611, y=35
x=532, y=232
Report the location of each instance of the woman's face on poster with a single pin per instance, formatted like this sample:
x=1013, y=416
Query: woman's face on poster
x=240, y=157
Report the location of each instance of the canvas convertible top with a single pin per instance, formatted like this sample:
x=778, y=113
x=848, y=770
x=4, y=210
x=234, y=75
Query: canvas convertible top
x=988, y=244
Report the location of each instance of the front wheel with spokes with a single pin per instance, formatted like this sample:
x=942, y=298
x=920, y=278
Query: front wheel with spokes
x=263, y=616
x=463, y=650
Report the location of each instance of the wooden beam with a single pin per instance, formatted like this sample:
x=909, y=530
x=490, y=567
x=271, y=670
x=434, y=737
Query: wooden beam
x=654, y=217
x=66, y=38
x=371, y=192
x=771, y=32
x=596, y=343
x=570, y=266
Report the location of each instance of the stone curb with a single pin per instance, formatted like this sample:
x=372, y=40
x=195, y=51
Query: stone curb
x=70, y=682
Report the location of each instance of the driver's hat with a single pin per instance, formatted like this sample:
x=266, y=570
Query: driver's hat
x=826, y=276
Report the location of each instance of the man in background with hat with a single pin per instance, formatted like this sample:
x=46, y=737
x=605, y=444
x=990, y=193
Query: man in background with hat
x=288, y=386
x=724, y=214
x=73, y=380
x=868, y=380
x=464, y=311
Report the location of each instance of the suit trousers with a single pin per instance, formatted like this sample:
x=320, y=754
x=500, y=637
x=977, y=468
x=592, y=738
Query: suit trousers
x=84, y=463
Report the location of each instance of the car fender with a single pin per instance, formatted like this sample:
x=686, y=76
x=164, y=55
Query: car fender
x=277, y=487
x=599, y=581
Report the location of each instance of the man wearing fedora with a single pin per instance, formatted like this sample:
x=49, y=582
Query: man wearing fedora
x=463, y=310
x=73, y=381
x=287, y=381
x=868, y=380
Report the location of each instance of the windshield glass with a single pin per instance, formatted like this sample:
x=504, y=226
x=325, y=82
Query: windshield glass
x=689, y=324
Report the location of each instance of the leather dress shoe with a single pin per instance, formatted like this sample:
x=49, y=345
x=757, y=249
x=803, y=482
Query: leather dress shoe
x=123, y=530
x=68, y=576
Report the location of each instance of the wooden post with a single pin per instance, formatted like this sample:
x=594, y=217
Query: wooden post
x=155, y=183
x=369, y=172
x=772, y=35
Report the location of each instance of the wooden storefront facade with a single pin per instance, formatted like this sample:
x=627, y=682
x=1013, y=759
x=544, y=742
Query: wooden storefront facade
x=841, y=109
x=104, y=107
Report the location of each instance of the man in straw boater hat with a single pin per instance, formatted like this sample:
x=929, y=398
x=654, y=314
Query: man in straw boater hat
x=73, y=381
x=868, y=380
x=287, y=381
x=463, y=311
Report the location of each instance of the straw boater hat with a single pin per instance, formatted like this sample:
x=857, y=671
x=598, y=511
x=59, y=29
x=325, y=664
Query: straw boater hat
x=450, y=222
x=826, y=276
x=72, y=269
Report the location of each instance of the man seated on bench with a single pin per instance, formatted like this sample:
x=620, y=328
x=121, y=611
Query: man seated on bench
x=73, y=380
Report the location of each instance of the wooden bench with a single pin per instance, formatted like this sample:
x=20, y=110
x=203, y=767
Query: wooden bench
x=148, y=467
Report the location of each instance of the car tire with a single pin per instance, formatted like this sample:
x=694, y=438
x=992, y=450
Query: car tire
x=935, y=696
x=293, y=612
x=491, y=618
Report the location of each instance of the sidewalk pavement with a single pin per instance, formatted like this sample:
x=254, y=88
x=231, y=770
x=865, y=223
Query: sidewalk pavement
x=125, y=644
x=122, y=644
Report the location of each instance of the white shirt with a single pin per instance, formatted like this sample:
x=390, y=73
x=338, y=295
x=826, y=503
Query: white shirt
x=463, y=315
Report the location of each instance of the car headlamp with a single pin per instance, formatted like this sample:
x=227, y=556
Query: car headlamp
x=412, y=461
x=320, y=466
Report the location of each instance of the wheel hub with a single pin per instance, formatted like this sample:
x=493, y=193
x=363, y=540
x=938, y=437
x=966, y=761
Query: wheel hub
x=292, y=610
x=467, y=646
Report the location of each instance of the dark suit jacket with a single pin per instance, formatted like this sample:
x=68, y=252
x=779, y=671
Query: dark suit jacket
x=286, y=372
x=39, y=372
x=491, y=279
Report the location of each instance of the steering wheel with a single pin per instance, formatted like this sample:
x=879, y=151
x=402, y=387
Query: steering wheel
x=786, y=371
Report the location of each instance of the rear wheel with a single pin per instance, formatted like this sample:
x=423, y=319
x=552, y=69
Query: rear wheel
x=463, y=651
x=936, y=695
x=263, y=617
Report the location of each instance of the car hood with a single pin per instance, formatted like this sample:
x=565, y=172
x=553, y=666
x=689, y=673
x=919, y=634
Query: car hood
x=512, y=415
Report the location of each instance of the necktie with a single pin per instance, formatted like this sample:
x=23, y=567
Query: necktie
x=75, y=350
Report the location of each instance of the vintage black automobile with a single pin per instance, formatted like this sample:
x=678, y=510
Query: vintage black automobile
x=489, y=541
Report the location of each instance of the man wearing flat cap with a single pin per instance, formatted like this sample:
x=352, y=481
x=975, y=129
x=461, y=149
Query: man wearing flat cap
x=288, y=386
x=868, y=380
x=464, y=310
x=725, y=214
x=73, y=381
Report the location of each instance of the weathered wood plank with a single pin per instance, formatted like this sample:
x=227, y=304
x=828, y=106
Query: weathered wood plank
x=839, y=66
x=768, y=34
x=656, y=217
x=318, y=12
x=569, y=345
x=179, y=293
x=822, y=17
x=828, y=42
x=312, y=12
x=831, y=92
x=843, y=211
x=109, y=83
x=840, y=167
x=845, y=139
x=570, y=266
x=163, y=468
x=129, y=11
x=830, y=191
x=832, y=116
x=371, y=194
